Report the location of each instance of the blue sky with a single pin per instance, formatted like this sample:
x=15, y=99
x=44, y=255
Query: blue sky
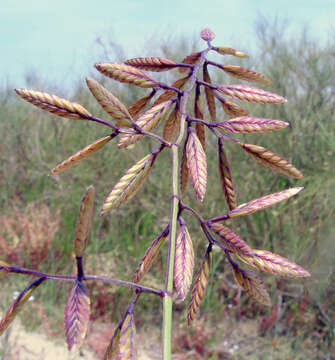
x=57, y=39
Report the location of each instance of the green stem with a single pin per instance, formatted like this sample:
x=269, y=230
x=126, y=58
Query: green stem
x=167, y=301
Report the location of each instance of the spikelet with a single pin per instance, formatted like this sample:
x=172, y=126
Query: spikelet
x=251, y=94
x=245, y=74
x=272, y=263
x=147, y=121
x=183, y=170
x=140, y=104
x=200, y=129
x=184, y=262
x=210, y=99
x=81, y=154
x=199, y=287
x=126, y=344
x=271, y=160
x=150, y=256
x=129, y=184
x=54, y=104
x=84, y=222
x=17, y=305
x=191, y=59
x=196, y=164
x=77, y=316
x=250, y=124
x=169, y=94
x=113, y=345
x=252, y=284
x=157, y=64
x=226, y=179
x=126, y=74
x=262, y=202
x=110, y=103
x=172, y=125
x=230, y=108
x=230, y=240
x=224, y=50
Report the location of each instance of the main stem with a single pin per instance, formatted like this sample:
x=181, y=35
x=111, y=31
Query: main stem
x=167, y=301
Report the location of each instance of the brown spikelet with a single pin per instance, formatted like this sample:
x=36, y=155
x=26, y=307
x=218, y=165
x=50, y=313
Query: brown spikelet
x=191, y=59
x=224, y=50
x=113, y=345
x=17, y=305
x=184, y=262
x=210, y=99
x=126, y=74
x=226, y=179
x=140, y=104
x=169, y=94
x=200, y=129
x=172, y=125
x=262, y=202
x=252, y=284
x=147, y=121
x=273, y=263
x=251, y=94
x=54, y=104
x=150, y=256
x=129, y=184
x=271, y=160
x=196, y=164
x=126, y=343
x=230, y=240
x=245, y=74
x=111, y=104
x=84, y=222
x=152, y=64
x=199, y=287
x=250, y=124
x=230, y=108
x=77, y=316
x=81, y=154
x=183, y=170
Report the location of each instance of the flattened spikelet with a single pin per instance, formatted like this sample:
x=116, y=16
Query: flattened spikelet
x=250, y=124
x=54, y=104
x=196, y=164
x=77, y=316
x=152, y=63
x=199, y=287
x=226, y=178
x=252, y=284
x=191, y=59
x=245, y=74
x=263, y=202
x=184, y=262
x=17, y=305
x=140, y=104
x=150, y=256
x=271, y=160
x=172, y=125
x=110, y=103
x=224, y=50
x=113, y=345
x=230, y=240
x=200, y=129
x=129, y=184
x=210, y=99
x=126, y=74
x=126, y=343
x=230, y=108
x=81, y=154
x=273, y=263
x=147, y=121
x=84, y=222
x=183, y=170
x=251, y=94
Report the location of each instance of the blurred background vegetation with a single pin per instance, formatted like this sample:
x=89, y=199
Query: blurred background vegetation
x=38, y=213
